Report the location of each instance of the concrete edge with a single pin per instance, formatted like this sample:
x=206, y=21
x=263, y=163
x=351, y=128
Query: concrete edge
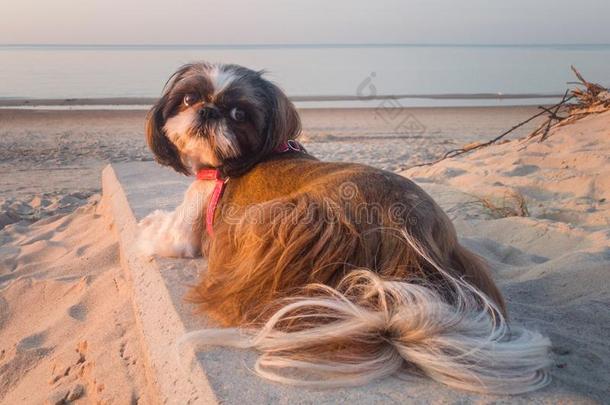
x=175, y=381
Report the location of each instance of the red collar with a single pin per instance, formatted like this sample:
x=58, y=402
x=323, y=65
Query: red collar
x=214, y=174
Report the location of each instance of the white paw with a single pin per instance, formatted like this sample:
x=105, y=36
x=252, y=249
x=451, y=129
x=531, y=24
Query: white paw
x=162, y=233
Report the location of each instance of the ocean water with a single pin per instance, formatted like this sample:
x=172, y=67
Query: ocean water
x=470, y=75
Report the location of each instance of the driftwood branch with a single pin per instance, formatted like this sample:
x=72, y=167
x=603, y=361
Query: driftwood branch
x=553, y=118
x=575, y=104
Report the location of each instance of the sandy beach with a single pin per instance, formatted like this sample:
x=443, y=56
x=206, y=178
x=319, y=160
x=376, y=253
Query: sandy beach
x=57, y=155
x=537, y=211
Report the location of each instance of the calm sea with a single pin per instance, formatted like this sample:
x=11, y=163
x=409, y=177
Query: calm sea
x=461, y=75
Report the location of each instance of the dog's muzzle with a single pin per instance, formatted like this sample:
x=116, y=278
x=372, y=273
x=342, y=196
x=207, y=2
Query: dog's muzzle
x=209, y=113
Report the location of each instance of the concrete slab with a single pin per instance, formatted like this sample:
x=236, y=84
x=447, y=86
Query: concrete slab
x=158, y=322
x=218, y=374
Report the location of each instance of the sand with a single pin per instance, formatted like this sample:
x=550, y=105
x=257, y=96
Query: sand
x=66, y=324
x=553, y=265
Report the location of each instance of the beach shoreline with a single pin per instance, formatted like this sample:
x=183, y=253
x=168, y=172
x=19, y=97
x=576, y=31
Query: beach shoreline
x=149, y=101
x=308, y=102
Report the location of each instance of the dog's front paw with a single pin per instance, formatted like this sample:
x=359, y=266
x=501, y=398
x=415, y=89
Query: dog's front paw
x=162, y=234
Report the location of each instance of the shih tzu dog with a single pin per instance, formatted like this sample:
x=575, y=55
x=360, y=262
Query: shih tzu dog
x=337, y=273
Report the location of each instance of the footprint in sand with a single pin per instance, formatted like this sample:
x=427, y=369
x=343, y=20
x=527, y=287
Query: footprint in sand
x=28, y=353
x=78, y=312
x=82, y=250
x=522, y=170
x=453, y=172
x=8, y=259
x=31, y=342
x=41, y=251
x=4, y=311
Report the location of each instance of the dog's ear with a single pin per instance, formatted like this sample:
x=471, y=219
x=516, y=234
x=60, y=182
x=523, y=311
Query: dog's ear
x=283, y=123
x=164, y=150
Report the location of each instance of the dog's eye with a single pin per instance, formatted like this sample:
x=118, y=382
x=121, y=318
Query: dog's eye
x=237, y=114
x=190, y=99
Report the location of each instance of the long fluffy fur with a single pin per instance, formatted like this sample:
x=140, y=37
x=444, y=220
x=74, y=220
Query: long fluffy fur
x=267, y=251
x=369, y=328
x=312, y=262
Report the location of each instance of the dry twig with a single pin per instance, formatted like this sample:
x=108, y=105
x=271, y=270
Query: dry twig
x=576, y=103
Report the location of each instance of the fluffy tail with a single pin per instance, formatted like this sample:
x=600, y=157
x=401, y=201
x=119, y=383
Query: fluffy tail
x=368, y=328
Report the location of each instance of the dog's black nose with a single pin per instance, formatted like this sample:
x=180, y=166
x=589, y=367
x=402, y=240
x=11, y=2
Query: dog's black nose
x=209, y=113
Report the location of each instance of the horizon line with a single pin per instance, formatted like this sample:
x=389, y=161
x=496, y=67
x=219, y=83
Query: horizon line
x=127, y=100
x=280, y=45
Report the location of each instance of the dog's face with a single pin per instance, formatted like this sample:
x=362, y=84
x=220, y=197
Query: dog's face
x=223, y=116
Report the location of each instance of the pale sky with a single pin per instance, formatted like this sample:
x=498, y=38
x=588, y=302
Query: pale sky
x=304, y=21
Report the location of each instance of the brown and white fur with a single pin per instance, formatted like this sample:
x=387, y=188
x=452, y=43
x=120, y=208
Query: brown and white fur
x=337, y=273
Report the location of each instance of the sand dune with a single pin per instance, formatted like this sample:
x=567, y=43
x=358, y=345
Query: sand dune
x=564, y=179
